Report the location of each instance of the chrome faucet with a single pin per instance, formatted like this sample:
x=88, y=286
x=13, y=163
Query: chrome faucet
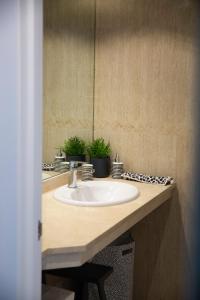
x=73, y=167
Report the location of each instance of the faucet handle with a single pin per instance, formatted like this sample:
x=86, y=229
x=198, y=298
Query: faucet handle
x=72, y=165
x=75, y=164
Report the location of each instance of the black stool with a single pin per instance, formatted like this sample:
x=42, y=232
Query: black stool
x=81, y=276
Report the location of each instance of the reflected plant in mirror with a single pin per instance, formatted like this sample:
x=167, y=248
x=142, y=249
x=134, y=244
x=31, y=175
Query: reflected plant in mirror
x=74, y=149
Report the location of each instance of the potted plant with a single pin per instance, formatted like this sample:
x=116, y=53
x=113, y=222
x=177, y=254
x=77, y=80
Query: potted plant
x=74, y=149
x=99, y=153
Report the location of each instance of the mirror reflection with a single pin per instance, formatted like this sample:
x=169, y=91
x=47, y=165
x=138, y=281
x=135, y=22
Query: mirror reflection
x=68, y=77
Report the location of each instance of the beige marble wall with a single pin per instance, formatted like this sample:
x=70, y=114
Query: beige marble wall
x=68, y=72
x=144, y=92
x=144, y=83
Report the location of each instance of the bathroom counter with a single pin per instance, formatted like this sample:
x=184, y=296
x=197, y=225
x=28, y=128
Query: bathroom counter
x=74, y=234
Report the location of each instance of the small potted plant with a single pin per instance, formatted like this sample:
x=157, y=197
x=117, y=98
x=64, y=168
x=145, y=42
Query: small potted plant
x=99, y=153
x=74, y=149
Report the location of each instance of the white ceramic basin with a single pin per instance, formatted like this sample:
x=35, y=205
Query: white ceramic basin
x=97, y=193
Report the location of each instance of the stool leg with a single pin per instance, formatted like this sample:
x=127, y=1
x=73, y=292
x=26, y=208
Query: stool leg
x=84, y=291
x=81, y=292
x=77, y=294
x=101, y=290
x=44, y=278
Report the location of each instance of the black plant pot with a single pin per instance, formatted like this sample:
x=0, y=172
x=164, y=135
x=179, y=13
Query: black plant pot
x=75, y=157
x=101, y=167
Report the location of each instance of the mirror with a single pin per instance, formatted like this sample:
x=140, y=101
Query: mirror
x=68, y=58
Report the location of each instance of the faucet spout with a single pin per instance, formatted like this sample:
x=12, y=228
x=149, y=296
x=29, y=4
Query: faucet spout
x=73, y=167
x=73, y=174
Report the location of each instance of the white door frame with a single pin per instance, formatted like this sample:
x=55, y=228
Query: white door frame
x=21, y=42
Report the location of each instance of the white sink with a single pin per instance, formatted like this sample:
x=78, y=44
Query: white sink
x=97, y=193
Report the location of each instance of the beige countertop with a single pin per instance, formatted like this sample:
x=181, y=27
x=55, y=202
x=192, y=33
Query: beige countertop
x=74, y=234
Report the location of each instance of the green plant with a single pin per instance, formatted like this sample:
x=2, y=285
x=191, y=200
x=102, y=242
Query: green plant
x=99, y=149
x=74, y=146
